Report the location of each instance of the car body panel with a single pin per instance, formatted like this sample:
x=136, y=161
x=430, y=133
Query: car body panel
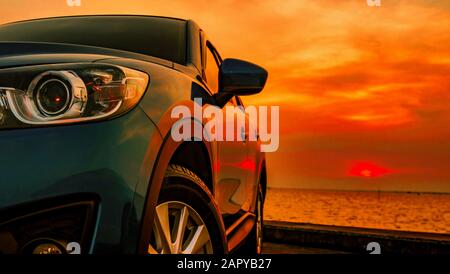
x=232, y=173
x=103, y=158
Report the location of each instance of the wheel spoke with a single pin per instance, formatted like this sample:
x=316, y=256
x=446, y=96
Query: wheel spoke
x=163, y=226
x=182, y=223
x=198, y=240
x=151, y=250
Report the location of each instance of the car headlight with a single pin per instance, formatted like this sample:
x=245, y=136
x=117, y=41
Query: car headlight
x=69, y=93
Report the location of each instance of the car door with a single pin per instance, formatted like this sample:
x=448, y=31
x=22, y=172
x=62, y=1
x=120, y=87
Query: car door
x=231, y=174
x=252, y=161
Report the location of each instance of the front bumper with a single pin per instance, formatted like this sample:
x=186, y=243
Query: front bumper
x=102, y=159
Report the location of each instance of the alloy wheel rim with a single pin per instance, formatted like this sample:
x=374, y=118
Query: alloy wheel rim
x=259, y=225
x=179, y=229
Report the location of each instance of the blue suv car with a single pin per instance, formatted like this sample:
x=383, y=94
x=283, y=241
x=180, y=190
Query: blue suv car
x=87, y=161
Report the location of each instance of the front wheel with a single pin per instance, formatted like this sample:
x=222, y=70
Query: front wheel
x=187, y=220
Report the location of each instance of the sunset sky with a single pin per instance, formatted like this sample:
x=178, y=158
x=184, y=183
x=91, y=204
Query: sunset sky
x=364, y=91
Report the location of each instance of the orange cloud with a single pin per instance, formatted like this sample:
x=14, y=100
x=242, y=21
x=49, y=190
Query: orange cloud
x=354, y=83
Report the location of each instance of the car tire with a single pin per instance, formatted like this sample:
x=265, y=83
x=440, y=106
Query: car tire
x=186, y=207
x=254, y=242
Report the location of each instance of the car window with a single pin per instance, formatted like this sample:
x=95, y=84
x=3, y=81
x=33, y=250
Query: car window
x=212, y=70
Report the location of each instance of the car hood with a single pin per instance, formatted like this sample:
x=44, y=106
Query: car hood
x=14, y=54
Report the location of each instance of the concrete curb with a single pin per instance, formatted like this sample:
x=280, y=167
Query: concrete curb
x=355, y=240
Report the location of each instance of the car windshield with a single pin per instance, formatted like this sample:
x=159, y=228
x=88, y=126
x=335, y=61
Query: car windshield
x=155, y=36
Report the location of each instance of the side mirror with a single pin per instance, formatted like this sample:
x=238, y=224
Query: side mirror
x=239, y=77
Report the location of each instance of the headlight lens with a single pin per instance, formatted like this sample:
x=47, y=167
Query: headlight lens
x=53, y=97
x=61, y=94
